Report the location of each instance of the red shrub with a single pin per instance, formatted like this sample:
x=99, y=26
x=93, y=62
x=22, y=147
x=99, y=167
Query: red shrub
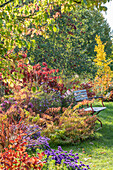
x=88, y=86
x=15, y=157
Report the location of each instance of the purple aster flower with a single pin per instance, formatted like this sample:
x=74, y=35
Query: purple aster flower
x=2, y=104
x=30, y=104
x=60, y=149
x=6, y=101
x=88, y=166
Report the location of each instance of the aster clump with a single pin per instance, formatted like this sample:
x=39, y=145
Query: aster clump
x=34, y=138
x=68, y=159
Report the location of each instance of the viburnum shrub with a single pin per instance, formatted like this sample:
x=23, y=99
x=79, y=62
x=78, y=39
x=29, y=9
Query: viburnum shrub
x=32, y=76
x=72, y=126
x=11, y=69
x=40, y=80
x=15, y=157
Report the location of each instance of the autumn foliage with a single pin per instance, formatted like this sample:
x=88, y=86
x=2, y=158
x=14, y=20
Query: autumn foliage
x=15, y=157
x=74, y=125
x=32, y=76
x=104, y=77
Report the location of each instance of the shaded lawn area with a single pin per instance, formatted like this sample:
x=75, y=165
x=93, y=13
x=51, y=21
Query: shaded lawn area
x=98, y=150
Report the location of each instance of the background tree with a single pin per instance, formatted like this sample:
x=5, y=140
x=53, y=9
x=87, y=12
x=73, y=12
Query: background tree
x=17, y=15
x=71, y=41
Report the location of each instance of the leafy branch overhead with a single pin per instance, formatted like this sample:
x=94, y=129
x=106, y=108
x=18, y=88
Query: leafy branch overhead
x=17, y=15
x=14, y=11
x=85, y=2
x=2, y=5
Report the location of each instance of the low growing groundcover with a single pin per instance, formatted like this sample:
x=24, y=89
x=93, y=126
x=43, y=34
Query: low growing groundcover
x=97, y=151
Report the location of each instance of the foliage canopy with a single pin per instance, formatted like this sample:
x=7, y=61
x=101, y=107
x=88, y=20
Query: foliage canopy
x=17, y=15
x=70, y=46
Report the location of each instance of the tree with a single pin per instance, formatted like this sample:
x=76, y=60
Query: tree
x=17, y=15
x=71, y=42
x=104, y=77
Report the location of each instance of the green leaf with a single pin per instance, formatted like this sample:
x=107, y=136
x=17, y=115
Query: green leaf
x=103, y=8
x=19, y=30
x=45, y=16
x=1, y=23
x=85, y=2
x=26, y=12
x=70, y=1
x=19, y=45
x=28, y=45
x=33, y=89
x=50, y=27
x=54, y=29
x=33, y=43
x=21, y=76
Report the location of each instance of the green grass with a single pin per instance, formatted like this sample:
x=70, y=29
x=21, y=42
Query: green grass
x=98, y=150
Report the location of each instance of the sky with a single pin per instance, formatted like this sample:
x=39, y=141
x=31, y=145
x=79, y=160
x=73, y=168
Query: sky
x=109, y=13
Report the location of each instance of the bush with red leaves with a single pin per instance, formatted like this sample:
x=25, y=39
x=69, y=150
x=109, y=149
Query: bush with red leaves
x=16, y=157
x=88, y=86
x=27, y=75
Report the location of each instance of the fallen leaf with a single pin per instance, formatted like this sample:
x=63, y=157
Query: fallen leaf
x=102, y=152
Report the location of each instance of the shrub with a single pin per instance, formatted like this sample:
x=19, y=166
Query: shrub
x=14, y=113
x=15, y=157
x=34, y=138
x=89, y=88
x=41, y=82
x=32, y=77
x=109, y=96
x=72, y=126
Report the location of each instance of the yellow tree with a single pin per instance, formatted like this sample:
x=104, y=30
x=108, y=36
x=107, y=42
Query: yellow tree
x=103, y=79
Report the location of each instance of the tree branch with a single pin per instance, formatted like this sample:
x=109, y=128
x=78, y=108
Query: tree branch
x=6, y=3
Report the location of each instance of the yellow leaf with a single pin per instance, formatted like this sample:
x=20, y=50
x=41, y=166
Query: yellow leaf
x=54, y=29
x=62, y=8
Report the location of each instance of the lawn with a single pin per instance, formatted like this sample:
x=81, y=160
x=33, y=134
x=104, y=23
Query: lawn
x=98, y=150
